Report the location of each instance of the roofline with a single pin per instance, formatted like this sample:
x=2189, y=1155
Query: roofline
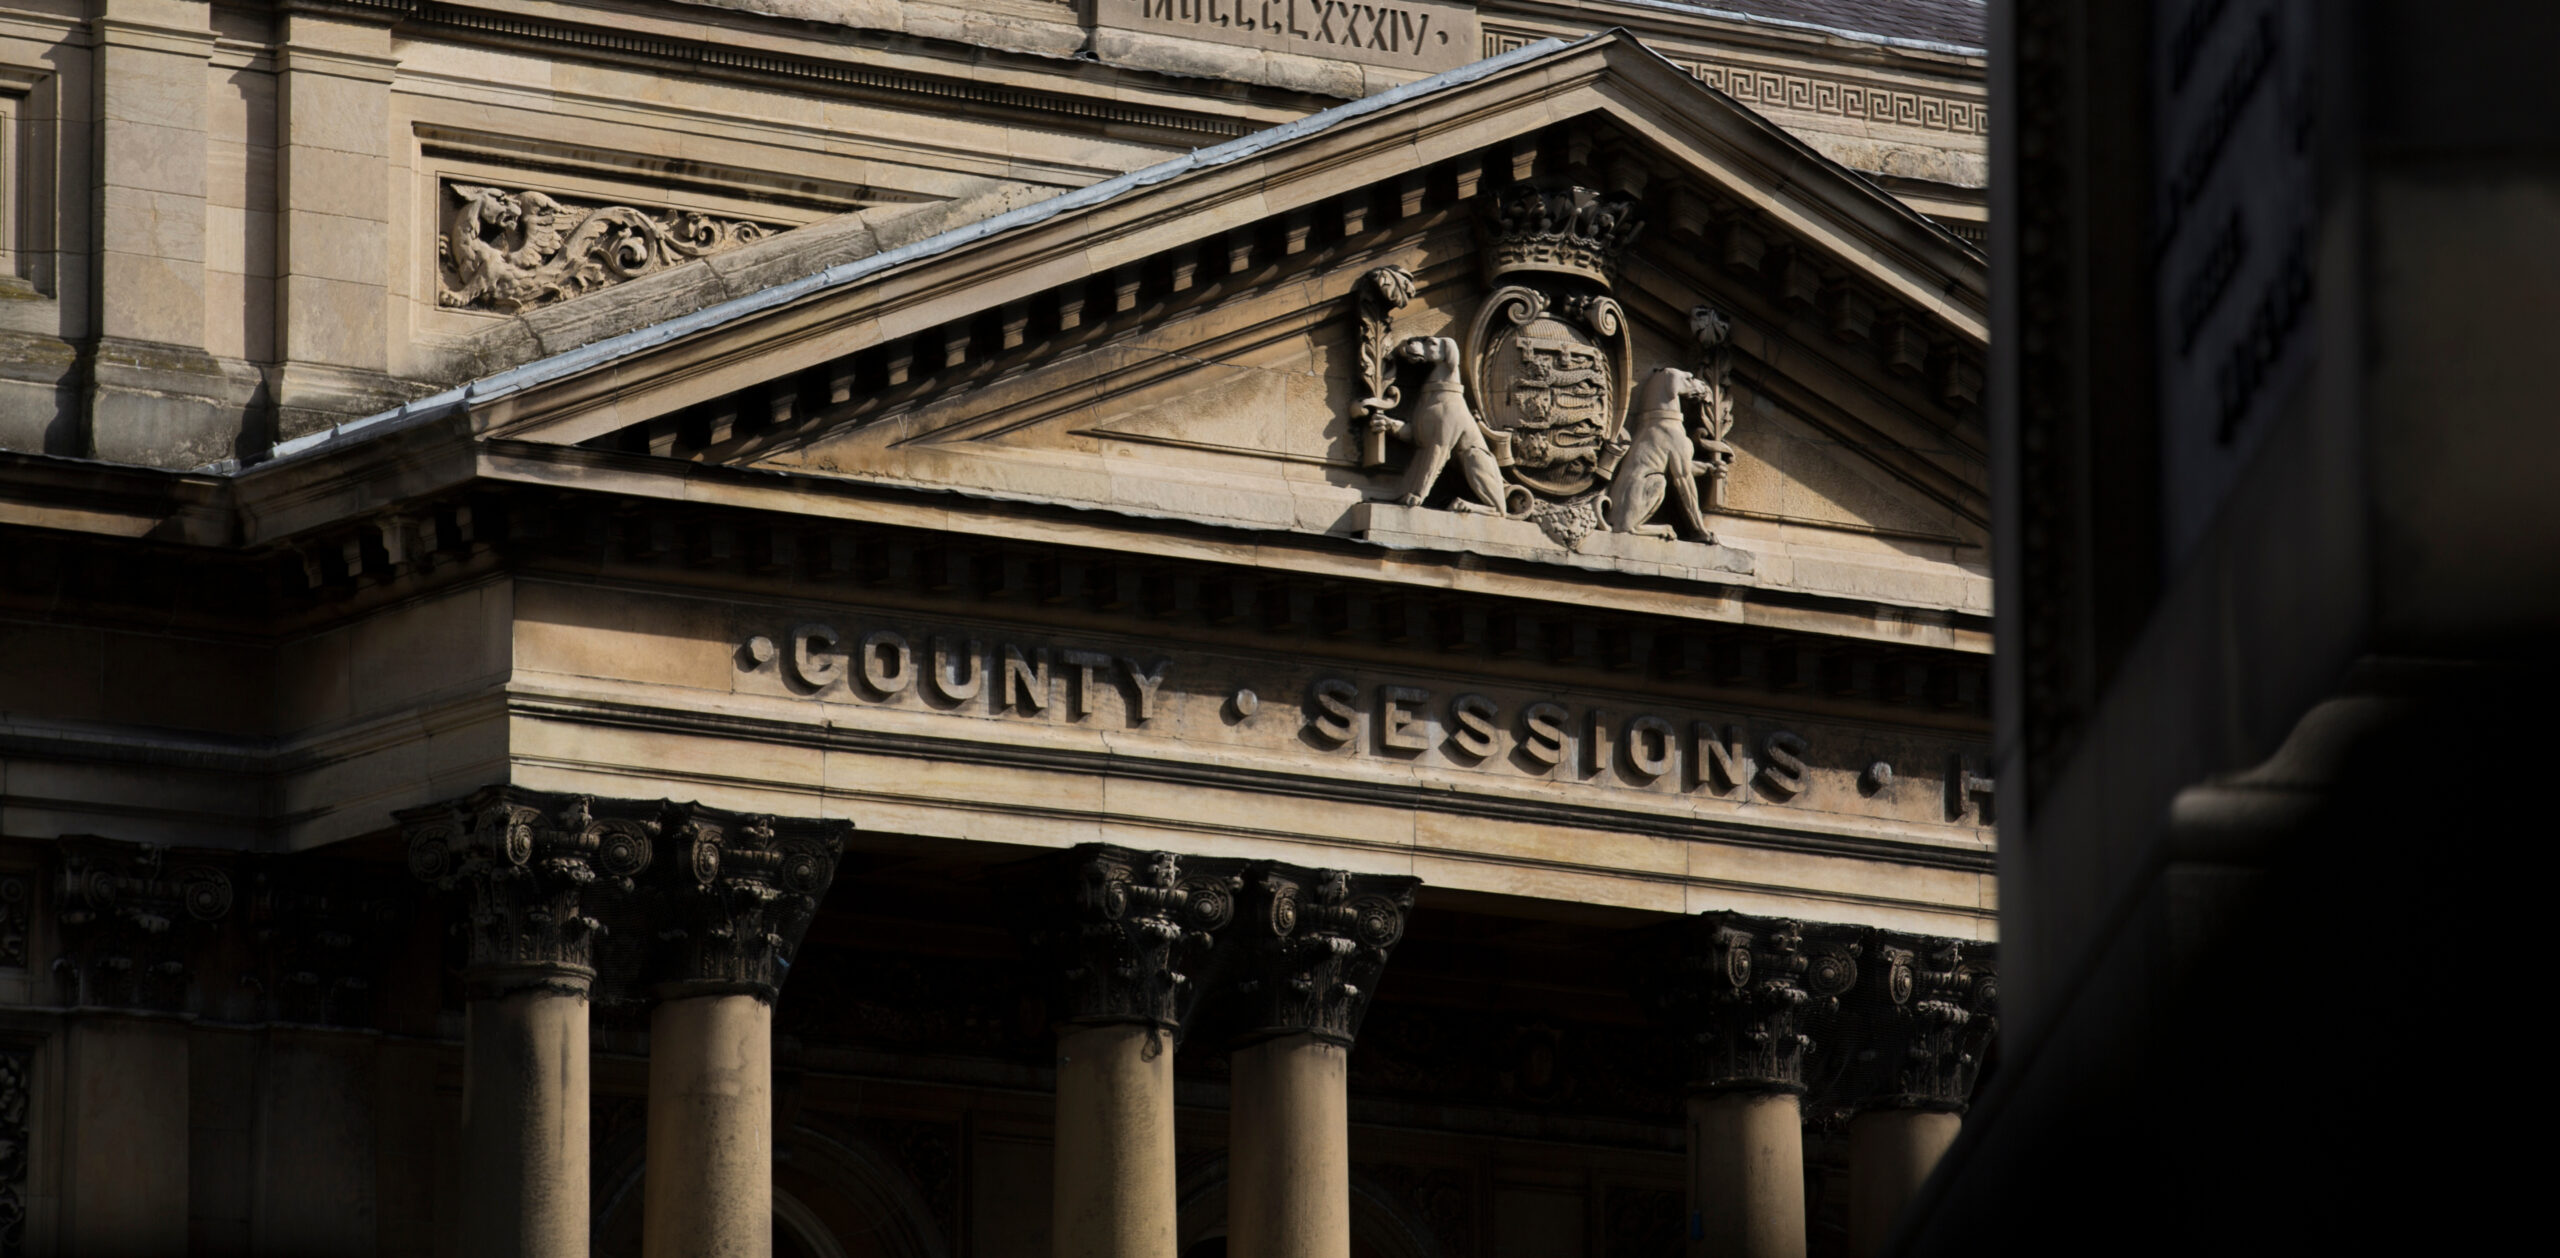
x=554, y=368
x=1817, y=28
x=572, y=361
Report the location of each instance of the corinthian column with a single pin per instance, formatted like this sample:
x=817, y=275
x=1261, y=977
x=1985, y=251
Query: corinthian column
x=1735, y=987
x=532, y=867
x=1310, y=947
x=1126, y=935
x=1924, y=1016
x=730, y=903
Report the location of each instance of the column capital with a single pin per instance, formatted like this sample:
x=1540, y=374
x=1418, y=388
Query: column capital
x=1924, y=1020
x=1738, y=990
x=1309, y=946
x=1129, y=933
x=133, y=918
x=535, y=867
x=735, y=896
x=324, y=932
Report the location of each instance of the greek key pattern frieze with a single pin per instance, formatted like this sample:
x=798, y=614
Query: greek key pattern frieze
x=1764, y=88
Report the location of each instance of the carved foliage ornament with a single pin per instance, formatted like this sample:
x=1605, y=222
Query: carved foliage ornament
x=1130, y=933
x=1929, y=1022
x=531, y=865
x=131, y=916
x=323, y=928
x=1310, y=947
x=700, y=896
x=1736, y=989
x=734, y=910
x=518, y=250
x=1540, y=410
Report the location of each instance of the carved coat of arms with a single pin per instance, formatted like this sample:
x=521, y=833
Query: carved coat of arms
x=1539, y=411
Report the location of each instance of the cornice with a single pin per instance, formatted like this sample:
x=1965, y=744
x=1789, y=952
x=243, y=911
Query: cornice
x=1529, y=810
x=1069, y=240
x=658, y=44
x=1731, y=26
x=445, y=509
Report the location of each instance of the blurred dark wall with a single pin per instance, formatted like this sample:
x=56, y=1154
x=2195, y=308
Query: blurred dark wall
x=2279, y=561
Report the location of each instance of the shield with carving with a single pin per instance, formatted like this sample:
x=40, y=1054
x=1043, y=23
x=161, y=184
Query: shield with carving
x=1550, y=380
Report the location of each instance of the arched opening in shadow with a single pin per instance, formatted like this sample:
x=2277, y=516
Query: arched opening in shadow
x=835, y=1195
x=1381, y=1224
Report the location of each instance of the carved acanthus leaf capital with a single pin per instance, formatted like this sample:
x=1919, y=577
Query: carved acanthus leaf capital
x=322, y=933
x=735, y=896
x=1128, y=932
x=1309, y=947
x=1737, y=990
x=535, y=868
x=132, y=917
x=1924, y=1023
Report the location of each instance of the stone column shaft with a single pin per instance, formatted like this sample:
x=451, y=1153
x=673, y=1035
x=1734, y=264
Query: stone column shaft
x=730, y=906
x=1737, y=988
x=524, y=1119
x=1115, y=1187
x=533, y=866
x=1891, y=1152
x=711, y=1120
x=1746, y=1175
x=1123, y=930
x=1925, y=1015
x=1311, y=945
x=1289, y=1150
x=125, y=1169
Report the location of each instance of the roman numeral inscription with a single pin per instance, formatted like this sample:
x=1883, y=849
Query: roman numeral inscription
x=1418, y=36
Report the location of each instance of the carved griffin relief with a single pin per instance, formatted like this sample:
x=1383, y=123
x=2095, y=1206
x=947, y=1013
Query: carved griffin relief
x=518, y=250
x=1540, y=410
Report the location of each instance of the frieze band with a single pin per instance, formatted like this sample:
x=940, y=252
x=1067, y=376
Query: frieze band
x=1706, y=755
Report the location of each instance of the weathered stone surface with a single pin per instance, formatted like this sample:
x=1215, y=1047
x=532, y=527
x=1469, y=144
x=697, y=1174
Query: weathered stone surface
x=681, y=290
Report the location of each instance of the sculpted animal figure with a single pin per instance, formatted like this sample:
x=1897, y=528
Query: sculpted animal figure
x=1659, y=459
x=497, y=245
x=1442, y=427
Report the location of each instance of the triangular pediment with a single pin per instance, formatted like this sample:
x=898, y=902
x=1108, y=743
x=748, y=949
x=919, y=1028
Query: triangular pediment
x=1186, y=342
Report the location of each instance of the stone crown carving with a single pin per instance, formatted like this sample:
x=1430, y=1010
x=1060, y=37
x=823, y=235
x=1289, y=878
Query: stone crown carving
x=17, y=1069
x=1128, y=933
x=1857, y=1017
x=506, y=251
x=1556, y=228
x=1308, y=948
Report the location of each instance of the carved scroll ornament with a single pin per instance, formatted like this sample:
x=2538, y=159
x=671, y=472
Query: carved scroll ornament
x=519, y=250
x=1127, y=934
x=736, y=896
x=1310, y=946
x=1735, y=989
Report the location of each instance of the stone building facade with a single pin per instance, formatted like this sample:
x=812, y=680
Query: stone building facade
x=1132, y=628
